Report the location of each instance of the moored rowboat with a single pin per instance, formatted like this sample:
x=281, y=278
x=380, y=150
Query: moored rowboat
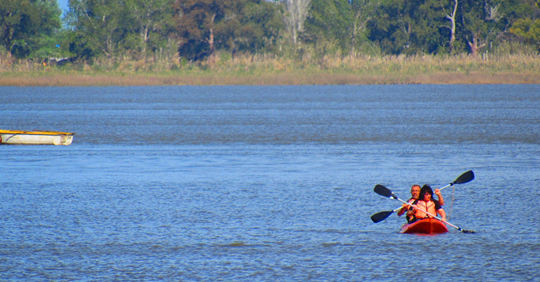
x=36, y=137
x=425, y=226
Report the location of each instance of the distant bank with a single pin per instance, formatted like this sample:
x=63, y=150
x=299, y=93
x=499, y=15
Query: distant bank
x=255, y=70
x=321, y=78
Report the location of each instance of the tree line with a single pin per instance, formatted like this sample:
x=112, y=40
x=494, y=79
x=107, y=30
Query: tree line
x=196, y=29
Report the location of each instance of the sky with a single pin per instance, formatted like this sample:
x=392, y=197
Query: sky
x=63, y=4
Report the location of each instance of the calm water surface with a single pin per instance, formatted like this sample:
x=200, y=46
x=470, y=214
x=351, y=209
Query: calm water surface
x=268, y=183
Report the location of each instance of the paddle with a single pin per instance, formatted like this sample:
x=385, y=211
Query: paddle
x=383, y=191
x=464, y=178
x=378, y=217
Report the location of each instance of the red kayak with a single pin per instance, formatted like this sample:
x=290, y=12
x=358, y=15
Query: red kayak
x=425, y=226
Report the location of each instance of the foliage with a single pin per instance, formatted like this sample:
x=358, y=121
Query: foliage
x=151, y=21
x=112, y=28
x=527, y=29
x=232, y=25
x=329, y=27
x=408, y=27
x=26, y=24
x=259, y=29
x=187, y=31
x=294, y=17
x=97, y=25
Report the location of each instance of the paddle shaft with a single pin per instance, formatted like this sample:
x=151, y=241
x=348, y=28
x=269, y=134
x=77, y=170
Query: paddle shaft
x=446, y=186
x=451, y=184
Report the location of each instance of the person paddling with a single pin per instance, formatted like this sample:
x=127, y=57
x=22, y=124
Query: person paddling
x=415, y=194
x=425, y=203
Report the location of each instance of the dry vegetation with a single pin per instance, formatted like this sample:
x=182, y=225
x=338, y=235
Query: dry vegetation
x=221, y=69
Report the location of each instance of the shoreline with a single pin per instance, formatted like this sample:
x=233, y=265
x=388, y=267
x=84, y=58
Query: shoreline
x=282, y=78
x=260, y=70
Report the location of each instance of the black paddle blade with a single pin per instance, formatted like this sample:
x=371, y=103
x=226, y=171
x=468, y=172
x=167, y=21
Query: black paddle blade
x=464, y=178
x=383, y=191
x=380, y=216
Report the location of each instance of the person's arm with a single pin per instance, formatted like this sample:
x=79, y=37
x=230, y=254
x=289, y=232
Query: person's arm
x=411, y=212
x=403, y=209
x=441, y=199
x=442, y=213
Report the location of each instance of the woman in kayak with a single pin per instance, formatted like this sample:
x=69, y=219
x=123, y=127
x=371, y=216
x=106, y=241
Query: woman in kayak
x=426, y=203
x=415, y=195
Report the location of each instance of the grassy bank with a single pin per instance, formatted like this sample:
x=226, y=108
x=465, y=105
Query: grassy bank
x=266, y=70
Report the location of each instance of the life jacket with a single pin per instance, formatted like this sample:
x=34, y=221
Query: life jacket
x=430, y=206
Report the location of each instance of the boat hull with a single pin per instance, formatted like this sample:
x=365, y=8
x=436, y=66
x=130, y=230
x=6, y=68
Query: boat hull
x=425, y=226
x=15, y=137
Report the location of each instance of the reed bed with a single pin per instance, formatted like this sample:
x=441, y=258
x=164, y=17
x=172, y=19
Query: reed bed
x=246, y=69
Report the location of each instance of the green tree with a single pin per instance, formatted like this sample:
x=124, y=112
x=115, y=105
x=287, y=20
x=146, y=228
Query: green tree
x=403, y=27
x=197, y=22
x=528, y=29
x=205, y=26
x=476, y=26
x=515, y=14
x=150, y=20
x=340, y=26
x=486, y=22
x=429, y=32
x=362, y=12
x=294, y=17
x=27, y=25
x=329, y=25
x=259, y=29
x=98, y=26
x=431, y=26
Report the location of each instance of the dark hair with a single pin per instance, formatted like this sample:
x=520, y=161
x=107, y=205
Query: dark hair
x=425, y=189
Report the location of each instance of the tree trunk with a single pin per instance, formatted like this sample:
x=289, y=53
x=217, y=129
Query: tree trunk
x=295, y=14
x=145, y=40
x=211, y=36
x=211, y=41
x=452, y=19
x=474, y=45
x=353, y=40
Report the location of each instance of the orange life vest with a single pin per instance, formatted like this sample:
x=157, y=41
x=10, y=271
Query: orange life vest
x=422, y=206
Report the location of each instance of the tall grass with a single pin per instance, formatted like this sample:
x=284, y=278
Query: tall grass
x=223, y=69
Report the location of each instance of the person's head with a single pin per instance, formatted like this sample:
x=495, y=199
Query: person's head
x=426, y=193
x=415, y=191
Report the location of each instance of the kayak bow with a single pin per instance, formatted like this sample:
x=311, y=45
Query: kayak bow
x=428, y=226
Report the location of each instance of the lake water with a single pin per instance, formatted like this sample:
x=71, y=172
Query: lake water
x=268, y=183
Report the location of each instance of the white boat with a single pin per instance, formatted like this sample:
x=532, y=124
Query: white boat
x=35, y=137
